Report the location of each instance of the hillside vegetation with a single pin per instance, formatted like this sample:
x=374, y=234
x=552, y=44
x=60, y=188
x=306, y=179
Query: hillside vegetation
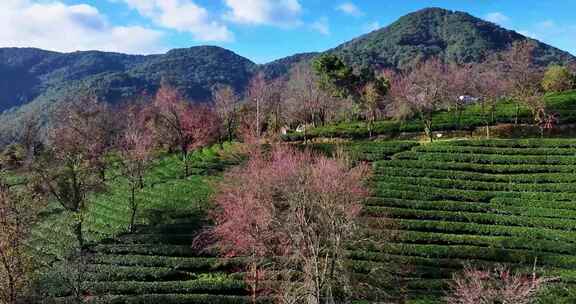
x=35, y=81
x=156, y=262
x=439, y=207
x=472, y=117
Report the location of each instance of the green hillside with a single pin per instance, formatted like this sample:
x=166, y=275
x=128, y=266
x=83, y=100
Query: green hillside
x=156, y=263
x=34, y=81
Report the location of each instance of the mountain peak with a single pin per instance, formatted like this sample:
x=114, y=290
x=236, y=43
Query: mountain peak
x=452, y=35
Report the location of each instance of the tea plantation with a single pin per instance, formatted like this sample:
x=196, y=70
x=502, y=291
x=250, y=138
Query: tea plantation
x=156, y=263
x=476, y=202
x=437, y=207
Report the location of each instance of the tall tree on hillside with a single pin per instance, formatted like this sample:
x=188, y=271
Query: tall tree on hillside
x=226, y=103
x=491, y=89
x=461, y=87
x=29, y=137
x=373, y=94
x=425, y=89
x=306, y=103
x=74, y=164
x=365, y=88
x=263, y=110
x=136, y=147
x=523, y=76
x=182, y=125
x=335, y=76
x=558, y=79
x=295, y=205
x=18, y=210
x=257, y=93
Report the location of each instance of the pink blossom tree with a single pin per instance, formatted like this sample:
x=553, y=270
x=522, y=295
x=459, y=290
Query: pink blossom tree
x=476, y=286
x=182, y=125
x=425, y=90
x=76, y=162
x=296, y=205
x=136, y=147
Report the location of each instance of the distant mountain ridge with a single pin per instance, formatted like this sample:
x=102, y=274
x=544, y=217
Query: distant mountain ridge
x=28, y=73
x=452, y=35
x=33, y=80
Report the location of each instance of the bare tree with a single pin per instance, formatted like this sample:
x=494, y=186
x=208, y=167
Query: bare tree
x=425, y=89
x=136, y=148
x=257, y=93
x=306, y=102
x=226, y=102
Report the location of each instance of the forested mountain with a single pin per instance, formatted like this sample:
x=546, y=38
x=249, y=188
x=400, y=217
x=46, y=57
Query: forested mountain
x=454, y=36
x=40, y=78
x=28, y=74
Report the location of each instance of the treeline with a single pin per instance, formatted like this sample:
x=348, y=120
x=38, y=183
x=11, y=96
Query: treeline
x=327, y=91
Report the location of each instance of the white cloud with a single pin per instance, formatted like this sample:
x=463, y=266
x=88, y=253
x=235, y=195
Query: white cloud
x=283, y=13
x=529, y=34
x=321, y=26
x=372, y=26
x=497, y=17
x=56, y=26
x=350, y=8
x=183, y=16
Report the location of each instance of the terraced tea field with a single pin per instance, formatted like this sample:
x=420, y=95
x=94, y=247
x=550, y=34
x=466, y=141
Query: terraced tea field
x=436, y=206
x=156, y=263
x=474, y=202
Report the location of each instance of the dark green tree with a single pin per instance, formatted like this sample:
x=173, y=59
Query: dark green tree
x=335, y=76
x=365, y=88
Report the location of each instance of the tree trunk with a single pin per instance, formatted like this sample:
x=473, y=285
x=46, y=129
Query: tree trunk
x=133, y=207
x=12, y=293
x=517, y=114
x=230, y=135
x=428, y=130
x=78, y=232
x=185, y=160
x=102, y=172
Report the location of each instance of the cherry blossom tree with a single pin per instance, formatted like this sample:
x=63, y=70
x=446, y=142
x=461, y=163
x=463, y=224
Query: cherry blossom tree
x=135, y=147
x=425, y=89
x=296, y=205
x=491, y=87
x=500, y=285
x=75, y=163
x=522, y=76
x=182, y=125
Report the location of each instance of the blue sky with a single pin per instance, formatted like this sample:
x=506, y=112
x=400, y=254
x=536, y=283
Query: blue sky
x=262, y=30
